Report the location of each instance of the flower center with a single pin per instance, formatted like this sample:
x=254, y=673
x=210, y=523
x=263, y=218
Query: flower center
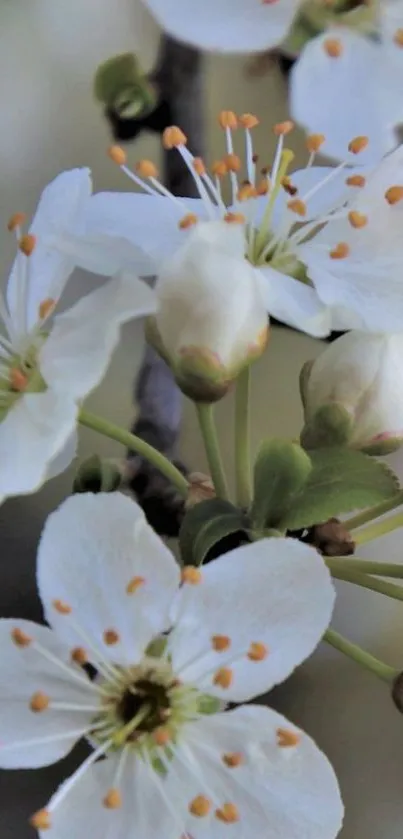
x=19, y=374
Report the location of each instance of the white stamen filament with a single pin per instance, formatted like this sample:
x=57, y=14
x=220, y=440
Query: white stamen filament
x=311, y=159
x=332, y=174
x=70, y=706
x=250, y=165
x=233, y=177
x=75, y=734
x=72, y=672
x=277, y=159
x=158, y=782
x=139, y=181
x=215, y=190
x=164, y=191
x=188, y=158
x=99, y=660
x=77, y=775
x=22, y=283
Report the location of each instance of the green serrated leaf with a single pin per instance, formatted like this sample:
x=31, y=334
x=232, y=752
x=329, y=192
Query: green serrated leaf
x=341, y=480
x=331, y=425
x=204, y=525
x=281, y=470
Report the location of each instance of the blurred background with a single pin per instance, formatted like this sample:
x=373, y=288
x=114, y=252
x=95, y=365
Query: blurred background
x=48, y=54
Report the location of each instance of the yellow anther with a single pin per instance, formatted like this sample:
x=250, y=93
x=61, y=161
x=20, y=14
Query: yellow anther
x=297, y=206
x=61, y=607
x=46, y=307
x=41, y=820
x=199, y=166
x=161, y=735
x=248, y=120
x=111, y=637
x=356, y=180
x=223, y=677
x=314, y=142
x=233, y=759
x=232, y=162
x=219, y=168
x=228, y=119
x=16, y=220
x=333, y=47
x=394, y=194
x=146, y=169
x=398, y=37
x=27, y=243
x=246, y=191
x=118, y=155
x=287, y=738
x=134, y=584
x=18, y=380
x=228, y=813
x=187, y=221
x=191, y=575
x=283, y=128
x=112, y=800
x=220, y=642
x=200, y=806
x=20, y=638
x=173, y=137
x=257, y=651
x=340, y=251
x=358, y=144
x=39, y=702
x=357, y=219
x=79, y=656
x=235, y=218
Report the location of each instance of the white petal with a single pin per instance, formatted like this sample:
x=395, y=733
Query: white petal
x=60, y=209
x=334, y=193
x=25, y=671
x=92, y=547
x=294, y=303
x=149, y=223
x=76, y=355
x=103, y=254
x=81, y=813
x=62, y=460
x=274, y=592
x=280, y=792
x=344, y=97
x=226, y=25
x=31, y=435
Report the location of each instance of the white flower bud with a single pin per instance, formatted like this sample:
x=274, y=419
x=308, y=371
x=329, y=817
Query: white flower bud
x=211, y=319
x=363, y=374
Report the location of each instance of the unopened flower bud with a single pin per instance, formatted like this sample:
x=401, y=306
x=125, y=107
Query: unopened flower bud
x=97, y=474
x=358, y=377
x=211, y=320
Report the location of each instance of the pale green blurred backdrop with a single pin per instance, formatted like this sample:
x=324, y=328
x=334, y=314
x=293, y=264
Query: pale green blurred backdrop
x=49, y=50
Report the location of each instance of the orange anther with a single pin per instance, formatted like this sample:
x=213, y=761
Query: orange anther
x=263, y=186
x=61, y=607
x=219, y=168
x=191, y=575
x=220, y=642
x=200, y=806
x=27, y=243
x=134, y=584
x=111, y=637
x=257, y=651
x=161, y=735
x=39, y=702
x=233, y=759
x=297, y=206
x=287, y=738
x=146, y=169
x=398, y=37
x=358, y=144
x=118, y=155
x=46, y=307
x=333, y=47
x=187, y=221
x=228, y=813
x=357, y=219
x=16, y=220
x=233, y=162
x=246, y=191
x=199, y=166
x=18, y=380
x=173, y=137
x=79, y=656
x=394, y=194
x=228, y=119
x=235, y=218
x=20, y=638
x=356, y=180
x=223, y=677
x=340, y=251
x=283, y=127
x=41, y=820
x=314, y=142
x=113, y=799
x=248, y=120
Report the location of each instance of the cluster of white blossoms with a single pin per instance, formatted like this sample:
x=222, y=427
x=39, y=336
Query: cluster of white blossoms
x=142, y=659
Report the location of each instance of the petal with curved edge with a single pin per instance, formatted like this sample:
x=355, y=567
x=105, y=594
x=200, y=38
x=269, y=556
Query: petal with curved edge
x=78, y=351
x=60, y=210
x=98, y=555
x=65, y=457
x=279, y=791
x=226, y=25
x=33, y=432
x=294, y=303
x=149, y=223
x=344, y=97
x=81, y=812
x=276, y=594
x=32, y=738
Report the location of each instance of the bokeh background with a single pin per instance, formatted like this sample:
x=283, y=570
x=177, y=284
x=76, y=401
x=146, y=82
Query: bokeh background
x=48, y=54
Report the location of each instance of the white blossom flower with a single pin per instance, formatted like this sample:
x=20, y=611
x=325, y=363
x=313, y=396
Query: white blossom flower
x=48, y=362
x=348, y=81
x=324, y=242
x=227, y=25
x=362, y=374
x=167, y=661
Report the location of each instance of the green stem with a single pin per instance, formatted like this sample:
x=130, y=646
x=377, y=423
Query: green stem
x=136, y=444
x=242, y=432
x=207, y=426
x=380, y=528
x=366, y=581
x=356, y=653
x=379, y=569
x=374, y=512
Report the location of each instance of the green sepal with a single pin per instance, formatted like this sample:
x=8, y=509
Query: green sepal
x=121, y=84
x=206, y=524
x=95, y=475
x=281, y=470
x=342, y=480
x=208, y=704
x=331, y=425
x=380, y=448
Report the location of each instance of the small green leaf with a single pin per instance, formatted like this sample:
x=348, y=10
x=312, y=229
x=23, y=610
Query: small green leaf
x=205, y=525
x=95, y=474
x=331, y=425
x=282, y=468
x=341, y=480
